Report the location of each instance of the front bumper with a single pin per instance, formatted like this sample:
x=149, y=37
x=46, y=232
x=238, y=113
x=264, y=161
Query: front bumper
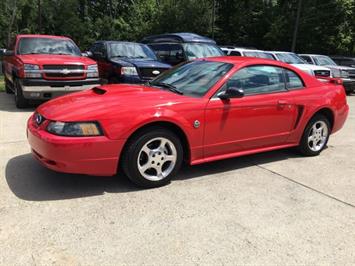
x=349, y=84
x=42, y=89
x=76, y=155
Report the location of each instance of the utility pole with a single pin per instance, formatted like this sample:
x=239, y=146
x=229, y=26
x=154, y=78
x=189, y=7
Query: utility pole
x=213, y=17
x=294, y=39
x=39, y=17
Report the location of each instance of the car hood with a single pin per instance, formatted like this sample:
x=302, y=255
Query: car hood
x=43, y=59
x=109, y=100
x=310, y=67
x=140, y=63
x=340, y=67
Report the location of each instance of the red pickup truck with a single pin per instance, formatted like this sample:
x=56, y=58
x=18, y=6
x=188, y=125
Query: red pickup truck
x=41, y=67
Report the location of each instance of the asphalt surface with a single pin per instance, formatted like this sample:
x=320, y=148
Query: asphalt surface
x=271, y=208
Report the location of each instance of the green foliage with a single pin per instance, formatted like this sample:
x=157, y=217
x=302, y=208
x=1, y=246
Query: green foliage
x=326, y=26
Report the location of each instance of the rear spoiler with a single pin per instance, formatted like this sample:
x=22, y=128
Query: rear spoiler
x=335, y=81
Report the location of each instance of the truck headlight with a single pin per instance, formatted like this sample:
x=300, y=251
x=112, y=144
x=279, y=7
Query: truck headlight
x=336, y=73
x=129, y=71
x=75, y=129
x=92, y=71
x=32, y=71
x=344, y=74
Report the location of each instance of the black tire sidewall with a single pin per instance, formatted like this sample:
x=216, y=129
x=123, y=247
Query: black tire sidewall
x=20, y=101
x=132, y=152
x=303, y=147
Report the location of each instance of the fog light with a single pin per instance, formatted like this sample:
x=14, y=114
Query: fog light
x=35, y=94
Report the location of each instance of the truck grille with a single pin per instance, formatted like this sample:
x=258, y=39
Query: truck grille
x=351, y=73
x=322, y=73
x=64, y=71
x=150, y=73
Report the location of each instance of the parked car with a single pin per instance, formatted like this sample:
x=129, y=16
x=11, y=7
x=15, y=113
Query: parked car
x=295, y=60
x=42, y=67
x=344, y=60
x=126, y=62
x=174, y=48
x=203, y=110
x=238, y=51
x=347, y=74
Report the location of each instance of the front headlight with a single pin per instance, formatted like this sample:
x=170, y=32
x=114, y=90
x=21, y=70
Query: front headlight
x=93, y=71
x=129, y=71
x=344, y=74
x=75, y=129
x=336, y=73
x=32, y=71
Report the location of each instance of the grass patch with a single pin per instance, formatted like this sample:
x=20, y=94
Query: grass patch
x=2, y=84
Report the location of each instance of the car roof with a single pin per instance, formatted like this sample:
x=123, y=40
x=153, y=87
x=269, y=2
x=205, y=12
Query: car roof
x=342, y=57
x=243, y=59
x=280, y=52
x=111, y=41
x=242, y=49
x=314, y=55
x=42, y=36
x=179, y=37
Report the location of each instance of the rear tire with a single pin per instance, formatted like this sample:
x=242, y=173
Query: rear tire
x=152, y=157
x=315, y=136
x=20, y=101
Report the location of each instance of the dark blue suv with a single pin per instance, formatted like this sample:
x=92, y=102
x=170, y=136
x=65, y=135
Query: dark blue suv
x=126, y=62
x=174, y=48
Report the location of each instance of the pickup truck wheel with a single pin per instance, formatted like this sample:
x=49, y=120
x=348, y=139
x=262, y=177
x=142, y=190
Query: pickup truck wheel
x=8, y=86
x=152, y=157
x=20, y=101
x=315, y=136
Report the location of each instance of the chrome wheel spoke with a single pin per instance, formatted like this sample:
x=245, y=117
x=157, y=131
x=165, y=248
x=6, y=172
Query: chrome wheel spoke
x=318, y=136
x=157, y=159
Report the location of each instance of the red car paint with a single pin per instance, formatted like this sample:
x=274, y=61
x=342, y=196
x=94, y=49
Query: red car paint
x=47, y=86
x=237, y=127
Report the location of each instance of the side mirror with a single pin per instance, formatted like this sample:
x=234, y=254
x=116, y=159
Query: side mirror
x=9, y=53
x=99, y=55
x=179, y=56
x=231, y=92
x=87, y=54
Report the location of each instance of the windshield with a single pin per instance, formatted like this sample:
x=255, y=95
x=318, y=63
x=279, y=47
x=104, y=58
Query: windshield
x=131, y=50
x=325, y=61
x=258, y=54
x=194, y=78
x=290, y=58
x=47, y=46
x=201, y=50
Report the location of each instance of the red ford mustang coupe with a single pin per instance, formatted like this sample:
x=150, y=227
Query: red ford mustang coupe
x=201, y=111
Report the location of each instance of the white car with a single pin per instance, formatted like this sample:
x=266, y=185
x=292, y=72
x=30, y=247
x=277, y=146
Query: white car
x=295, y=60
x=238, y=51
x=347, y=74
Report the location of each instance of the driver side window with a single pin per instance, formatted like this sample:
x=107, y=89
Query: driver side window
x=259, y=79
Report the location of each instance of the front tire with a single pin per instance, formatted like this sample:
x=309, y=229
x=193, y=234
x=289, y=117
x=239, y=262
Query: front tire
x=315, y=136
x=20, y=101
x=8, y=89
x=152, y=157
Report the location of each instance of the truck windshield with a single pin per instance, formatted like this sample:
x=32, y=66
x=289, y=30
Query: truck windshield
x=194, y=78
x=201, y=50
x=325, y=61
x=47, y=46
x=290, y=58
x=131, y=50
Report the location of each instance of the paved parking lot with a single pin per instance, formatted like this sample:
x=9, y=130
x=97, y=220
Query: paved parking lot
x=271, y=208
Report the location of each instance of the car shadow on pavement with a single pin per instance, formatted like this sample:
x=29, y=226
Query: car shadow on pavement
x=7, y=104
x=30, y=181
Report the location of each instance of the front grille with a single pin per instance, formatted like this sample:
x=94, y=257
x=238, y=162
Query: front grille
x=64, y=71
x=322, y=73
x=351, y=73
x=61, y=67
x=150, y=73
